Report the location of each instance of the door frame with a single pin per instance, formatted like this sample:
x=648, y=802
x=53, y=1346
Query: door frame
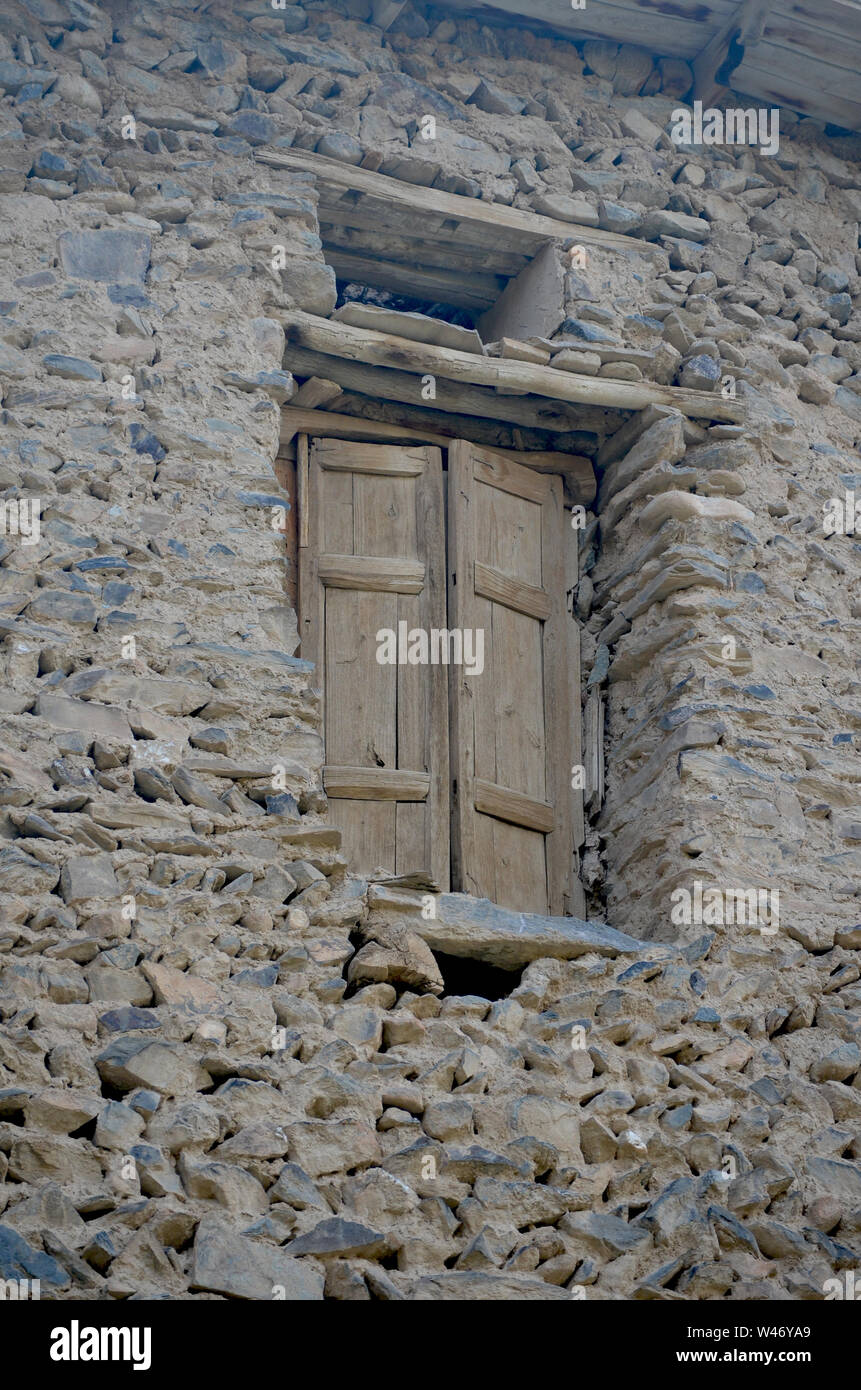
x=313, y=425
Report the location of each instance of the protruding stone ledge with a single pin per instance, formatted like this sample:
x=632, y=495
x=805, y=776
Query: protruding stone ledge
x=479, y=930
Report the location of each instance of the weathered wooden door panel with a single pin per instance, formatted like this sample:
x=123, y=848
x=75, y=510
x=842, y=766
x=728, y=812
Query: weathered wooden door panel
x=509, y=724
x=374, y=559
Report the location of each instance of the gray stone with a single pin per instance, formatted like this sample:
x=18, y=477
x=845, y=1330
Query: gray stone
x=659, y=222
x=701, y=373
x=71, y=368
x=477, y=928
x=110, y=256
x=566, y=209
x=474, y=1285
x=20, y=1260
x=167, y=1068
x=90, y=876
x=58, y=605
x=338, y=1237
x=237, y=1267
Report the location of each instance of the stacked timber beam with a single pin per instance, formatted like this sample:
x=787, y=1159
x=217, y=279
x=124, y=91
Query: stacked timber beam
x=391, y=368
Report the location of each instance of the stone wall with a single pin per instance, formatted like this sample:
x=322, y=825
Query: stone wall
x=222, y=1068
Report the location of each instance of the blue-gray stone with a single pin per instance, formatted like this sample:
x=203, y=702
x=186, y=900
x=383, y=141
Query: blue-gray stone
x=282, y=204
x=178, y=548
x=600, y=666
x=318, y=55
x=57, y=167
x=767, y=1091
x=14, y=77
x=103, y=562
x=260, y=979
x=79, y=132
x=93, y=175
x=144, y=442
x=127, y=1019
x=839, y=306
x=282, y=805
x=247, y=215
x=584, y=332
x=849, y=402
x=111, y=256
x=832, y=279
x=253, y=126
x=759, y=692
x=750, y=583
x=640, y=970
x=20, y=1260
x=706, y=1015
x=262, y=499
x=72, y=368
x=701, y=373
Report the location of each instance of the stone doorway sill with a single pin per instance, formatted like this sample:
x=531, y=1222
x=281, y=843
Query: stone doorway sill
x=459, y=925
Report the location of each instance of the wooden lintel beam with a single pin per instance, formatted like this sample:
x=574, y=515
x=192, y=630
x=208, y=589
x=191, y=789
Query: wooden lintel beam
x=341, y=341
x=505, y=226
x=578, y=471
x=454, y=397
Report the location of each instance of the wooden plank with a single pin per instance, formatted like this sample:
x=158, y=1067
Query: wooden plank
x=382, y=574
x=513, y=593
x=312, y=596
x=424, y=837
x=386, y=384
x=508, y=805
x=467, y=873
x=520, y=865
x=302, y=487
x=341, y=341
x=572, y=579
x=593, y=733
x=316, y=392
x=508, y=227
x=375, y=784
x=793, y=27
x=408, y=250
x=498, y=472
x=557, y=715
x=770, y=85
x=390, y=460
x=836, y=19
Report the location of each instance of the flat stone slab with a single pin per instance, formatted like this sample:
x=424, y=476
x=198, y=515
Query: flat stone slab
x=478, y=929
x=113, y=255
x=420, y=328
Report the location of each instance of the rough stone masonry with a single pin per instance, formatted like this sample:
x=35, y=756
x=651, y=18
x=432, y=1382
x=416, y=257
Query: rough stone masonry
x=225, y=1066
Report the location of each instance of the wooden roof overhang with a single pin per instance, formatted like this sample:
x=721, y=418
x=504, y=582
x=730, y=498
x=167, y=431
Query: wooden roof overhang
x=802, y=54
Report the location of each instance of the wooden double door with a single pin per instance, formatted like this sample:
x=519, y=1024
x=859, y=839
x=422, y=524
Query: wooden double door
x=447, y=756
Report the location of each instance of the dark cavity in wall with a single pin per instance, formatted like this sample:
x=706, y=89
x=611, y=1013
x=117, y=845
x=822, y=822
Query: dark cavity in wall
x=349, y=292
x=463, y=975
